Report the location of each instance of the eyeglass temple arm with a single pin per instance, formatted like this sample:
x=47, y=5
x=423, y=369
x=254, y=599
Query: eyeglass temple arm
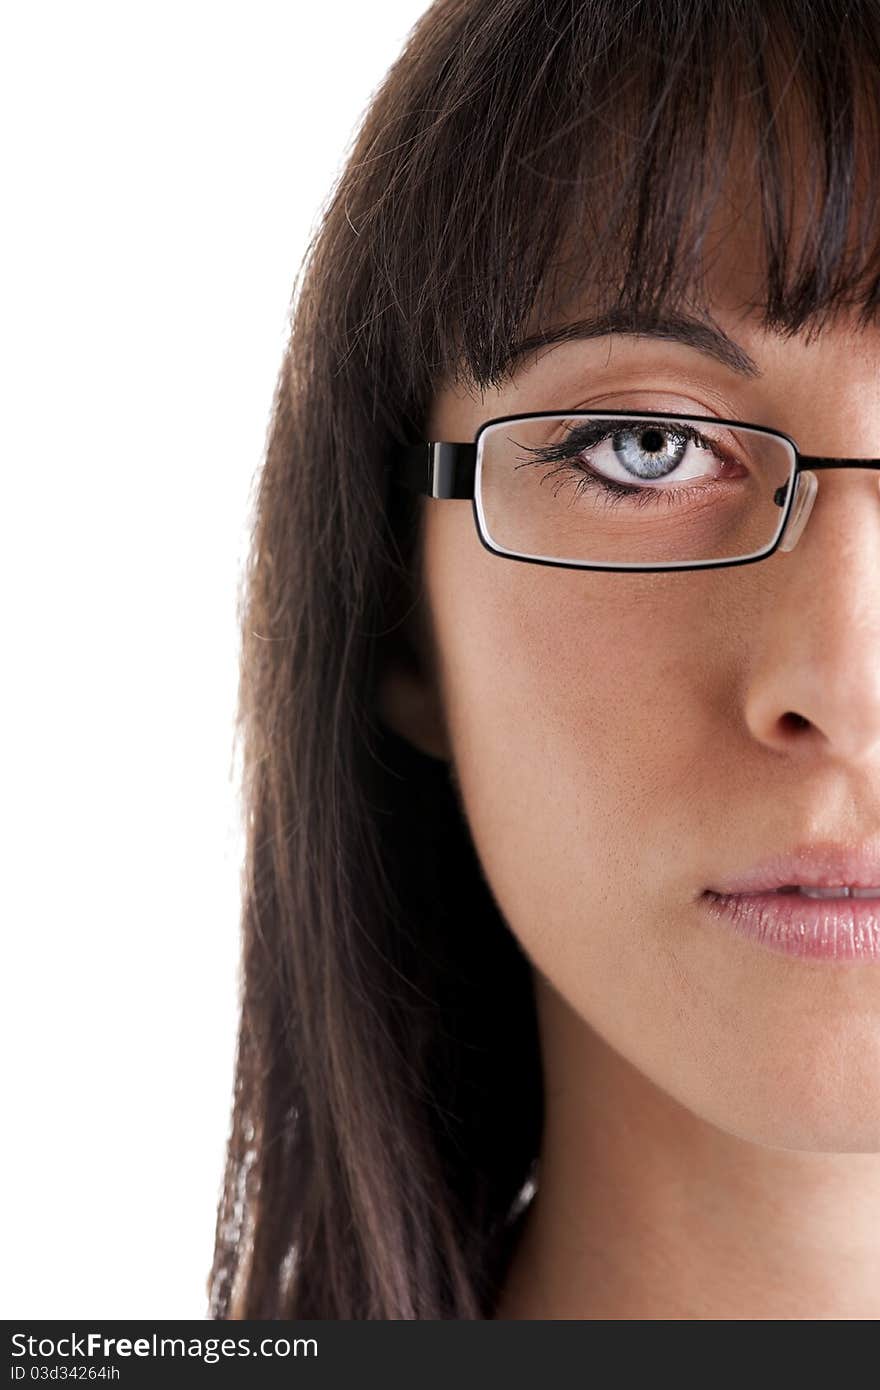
x=437, y=469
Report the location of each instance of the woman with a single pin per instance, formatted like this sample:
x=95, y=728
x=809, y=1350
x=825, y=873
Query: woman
x=528, y=1029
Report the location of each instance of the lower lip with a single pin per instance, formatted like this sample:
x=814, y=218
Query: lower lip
x=826, y=929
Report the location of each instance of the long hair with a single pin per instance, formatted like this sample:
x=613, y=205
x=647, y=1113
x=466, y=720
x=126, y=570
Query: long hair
x=388, y=1094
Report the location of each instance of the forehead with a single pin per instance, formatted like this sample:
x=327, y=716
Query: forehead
x=793, y=345
x=780, y=237
x=787, y=256
x=740, y=197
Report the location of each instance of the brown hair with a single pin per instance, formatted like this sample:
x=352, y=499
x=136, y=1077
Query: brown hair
x=388, y=1090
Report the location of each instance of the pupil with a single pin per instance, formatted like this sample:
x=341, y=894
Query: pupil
x=652, y=440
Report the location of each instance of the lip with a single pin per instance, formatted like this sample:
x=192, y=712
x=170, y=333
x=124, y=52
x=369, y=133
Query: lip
x=817, y=865
x=820, y=929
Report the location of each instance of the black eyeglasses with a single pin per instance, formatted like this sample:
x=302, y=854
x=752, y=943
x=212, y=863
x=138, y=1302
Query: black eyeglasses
x=624, y=490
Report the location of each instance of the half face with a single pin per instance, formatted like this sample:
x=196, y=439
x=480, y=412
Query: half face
x=624, y=742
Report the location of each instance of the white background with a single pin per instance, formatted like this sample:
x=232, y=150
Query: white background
x=163, y=165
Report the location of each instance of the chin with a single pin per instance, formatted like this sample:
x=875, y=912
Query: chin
x=818, y=1118
x=834, y=1135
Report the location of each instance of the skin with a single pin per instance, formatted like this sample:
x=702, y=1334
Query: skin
x=621, y=742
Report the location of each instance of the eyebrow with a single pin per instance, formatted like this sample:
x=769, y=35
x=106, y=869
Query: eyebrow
x=673, y=327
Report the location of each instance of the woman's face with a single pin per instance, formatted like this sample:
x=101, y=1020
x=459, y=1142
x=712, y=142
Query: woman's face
x=622, y=742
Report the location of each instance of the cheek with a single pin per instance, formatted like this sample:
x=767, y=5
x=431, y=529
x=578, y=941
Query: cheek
x=571, y=713
x=594, y=747
x=578, y=716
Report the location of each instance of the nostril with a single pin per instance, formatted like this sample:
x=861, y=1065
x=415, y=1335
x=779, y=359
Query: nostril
x=793, y=720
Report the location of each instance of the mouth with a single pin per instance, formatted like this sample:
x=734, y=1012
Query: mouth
x=830, y=924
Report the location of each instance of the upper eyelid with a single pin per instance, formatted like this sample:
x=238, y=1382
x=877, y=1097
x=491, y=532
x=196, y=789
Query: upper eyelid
x=713, y=402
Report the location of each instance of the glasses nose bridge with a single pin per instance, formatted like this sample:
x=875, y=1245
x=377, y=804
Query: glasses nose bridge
x=807, y=488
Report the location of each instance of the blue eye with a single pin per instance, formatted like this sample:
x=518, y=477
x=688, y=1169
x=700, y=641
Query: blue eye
x=646, y=450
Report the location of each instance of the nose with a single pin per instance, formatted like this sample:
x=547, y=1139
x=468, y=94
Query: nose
x=816, y=682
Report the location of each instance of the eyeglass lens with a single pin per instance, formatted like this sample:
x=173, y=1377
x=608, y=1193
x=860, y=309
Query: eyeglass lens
x=607, y=489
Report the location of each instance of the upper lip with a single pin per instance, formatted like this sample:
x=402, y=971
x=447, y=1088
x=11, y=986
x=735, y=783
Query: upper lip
x=823, y=865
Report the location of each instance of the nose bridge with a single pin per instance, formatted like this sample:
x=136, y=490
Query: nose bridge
x=818, y=652
x=807, y=489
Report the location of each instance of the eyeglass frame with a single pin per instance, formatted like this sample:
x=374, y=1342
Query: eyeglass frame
x=447, y=469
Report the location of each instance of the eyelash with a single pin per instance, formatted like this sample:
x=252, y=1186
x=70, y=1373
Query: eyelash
x=588, y=436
